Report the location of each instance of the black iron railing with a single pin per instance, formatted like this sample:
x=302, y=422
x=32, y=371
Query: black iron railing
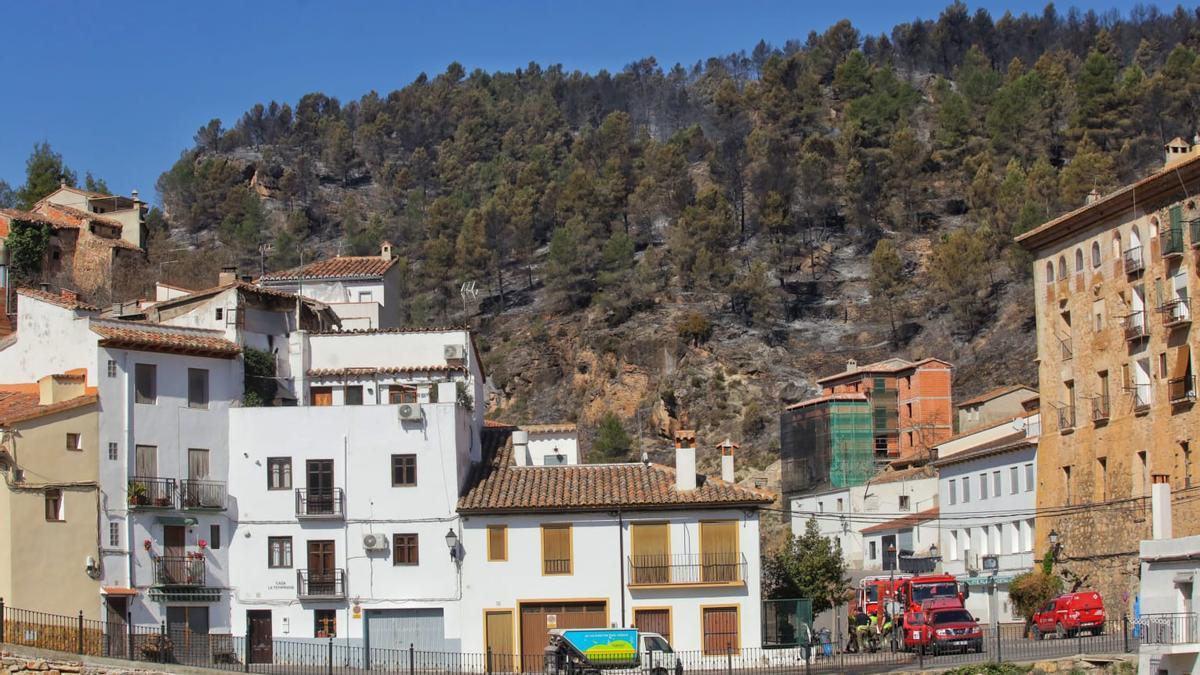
x=1195, y=227
x=1133, y=260
x=202, y=494
x=1174, y=628
x=328, y=504
x=1134, y=325
x=1171, y=241
x=1181, y=389
x=1100, y=409
x=1175, y=312
x=329, y=584
x=186, y=570
x=1066, y=417
x=686, y=568
x=151, y=493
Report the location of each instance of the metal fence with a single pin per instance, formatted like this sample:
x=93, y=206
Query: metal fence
x=325, y=656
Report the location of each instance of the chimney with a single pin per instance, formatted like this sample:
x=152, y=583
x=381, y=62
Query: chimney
x=58, y=388
x=1160, y=507
x=727, y=447
x=1176, y=150
x=69, y=296
x=133, y=194
x=851, y=365
x=1092, y=197
x=685, y=460
x=228, y=275
x=385, y=250
x=44, y=287
x=520, y=442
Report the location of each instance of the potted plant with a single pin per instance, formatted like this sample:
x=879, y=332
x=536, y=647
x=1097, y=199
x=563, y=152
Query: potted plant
x=162, y=500
x=137, y=493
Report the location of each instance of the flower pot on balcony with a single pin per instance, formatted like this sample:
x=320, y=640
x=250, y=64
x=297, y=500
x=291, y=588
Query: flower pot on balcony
x=162, y=501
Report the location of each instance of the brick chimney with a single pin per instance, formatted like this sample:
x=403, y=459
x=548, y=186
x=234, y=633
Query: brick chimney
x=727, y=447
x=385, y=250
x=1160, y=507
x=69, y=296
x=685, y=460
x=228, y=275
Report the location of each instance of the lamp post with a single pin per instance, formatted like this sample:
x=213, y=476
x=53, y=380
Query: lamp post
x=1054, y=545
x=452, y=544
x=891, y=549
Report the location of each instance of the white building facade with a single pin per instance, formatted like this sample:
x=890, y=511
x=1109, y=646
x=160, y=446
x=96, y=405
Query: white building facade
x=1166, y=622
x=364, y=291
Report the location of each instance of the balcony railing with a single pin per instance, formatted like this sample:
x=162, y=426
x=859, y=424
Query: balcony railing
x=1133, y=260
x=1171, y=242
x=1066, y=417
x=329, y=585
x=1175, y=312
x=1141, y=397
x=687, y=568
x=151, y=493
x=179, y=571
x=1100, y=409
x=322, y=504
x=1195, y=227
x=556, y=566
x=1181, y=389
x=1166, y=629
x=202, y=494
x=1135, y=325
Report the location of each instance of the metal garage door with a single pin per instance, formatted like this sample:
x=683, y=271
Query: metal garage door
x=537, y=620
x=424, y=629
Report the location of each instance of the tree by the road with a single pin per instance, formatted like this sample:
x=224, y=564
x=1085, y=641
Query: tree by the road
x=809, y=566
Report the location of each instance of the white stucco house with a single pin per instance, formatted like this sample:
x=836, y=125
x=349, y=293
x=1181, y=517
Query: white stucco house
x=987, y=492
x=364, y=291
x=637, y=544
x=1166, y=625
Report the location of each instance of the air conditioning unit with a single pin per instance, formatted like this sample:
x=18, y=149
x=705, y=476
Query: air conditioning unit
x=454, y=352
x=409, y=411
x=374, y=542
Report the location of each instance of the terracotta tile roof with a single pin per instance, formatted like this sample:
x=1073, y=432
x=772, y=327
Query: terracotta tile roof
x=894, y=365
x=88, y=193
x=339, y=267
x=79, y=215
x=561, y=428
x=58, y=299
x=994, y=393
x=904, y=521
x=151, y=337
x=849, y=396
x=115, y=243
x=241, y=286
x=502, y=487
x=21, y=406
x=896, y=475
x=383, y=331
x=383, y=370
x=496, y=424
x=56, y=222
x=118, y=590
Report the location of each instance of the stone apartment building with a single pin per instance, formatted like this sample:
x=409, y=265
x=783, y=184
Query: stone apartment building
x=1112, y=286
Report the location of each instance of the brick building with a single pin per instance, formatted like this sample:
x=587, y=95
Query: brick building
x=1112, y=286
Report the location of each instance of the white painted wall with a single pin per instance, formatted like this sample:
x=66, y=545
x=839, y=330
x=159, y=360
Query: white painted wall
x=597, y=574
x=544, y=447
x=1161, y=593
x=49, y=339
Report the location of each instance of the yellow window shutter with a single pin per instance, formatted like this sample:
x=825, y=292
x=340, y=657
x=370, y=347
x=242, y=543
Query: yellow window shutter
x=497, y=542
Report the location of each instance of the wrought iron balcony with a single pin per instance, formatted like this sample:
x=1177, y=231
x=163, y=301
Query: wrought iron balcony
x=183, y=570
x=686, y=569
x=1175, y=312
x=1171, y=242
x=1177, y=628
x=1181, y=389
x=1133, y=260
x=147, y=492
x=1195, y=227
x=202, y=494
x=321, y=504
x=327, y=585
x=1066, y=417
x=1135, y=325
x=1100, y=409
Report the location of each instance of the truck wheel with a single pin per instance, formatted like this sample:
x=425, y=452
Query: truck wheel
x=659, y=671
x=1059, y=631
x=1037, y=633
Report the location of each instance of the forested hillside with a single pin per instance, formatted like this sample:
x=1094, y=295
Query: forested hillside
x=701, y=241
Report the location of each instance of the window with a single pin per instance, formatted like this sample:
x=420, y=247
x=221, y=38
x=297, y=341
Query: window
x=197, y=388
x=114, y=535
x=904, y=502
x=365, y=296
x=556, y=549
x=320, y=396
x=279, y=473
x=1027, y=534
x=1101, y=478
x=872, y=550
x=404, y=549
x=220, y=314
x=953, y=489
x=145, y=384
x=325, y=623
x=404, y=470
x=996, y=490
x=1029, y=477
x=54, y=505
x=721, y=632
x=1066, y=478
x=112, y=368
x=214, y=537
x=1097, y=315
x=354, y=395
x=1062, y=267
x=1078, y=261
x=983, y=487
x=74, y=442
x=1014, y=530
x=1141, y=478
x=1049, y=272
x=398, y=393
x=145, y=460
x=279, y=552
x=497, y=543
x=1014, y=480
x=1095, y=254
x=840, y=505
x=953, y=541
x=554, y=460
x=821, y=507
x=650, y=553
x=966, y=486
x=113, y=453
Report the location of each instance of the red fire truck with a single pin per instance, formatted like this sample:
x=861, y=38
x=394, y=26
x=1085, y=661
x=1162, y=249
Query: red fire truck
x=871, y=590
x=913, y=591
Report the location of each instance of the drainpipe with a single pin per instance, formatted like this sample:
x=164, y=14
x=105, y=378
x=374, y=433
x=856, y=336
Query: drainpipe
x=621, y=559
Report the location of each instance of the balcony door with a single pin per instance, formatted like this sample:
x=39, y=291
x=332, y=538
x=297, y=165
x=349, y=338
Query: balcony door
x=320, y=486
x=650, y=553
x=322, y=570
x=719, y=551
x=174, y=564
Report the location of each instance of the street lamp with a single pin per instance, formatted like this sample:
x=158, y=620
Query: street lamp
x=1055, y=545
x=933, y=550
x=452, y=544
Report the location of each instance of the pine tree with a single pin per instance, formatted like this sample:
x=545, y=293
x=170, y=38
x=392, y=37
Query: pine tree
x=888, y=283
x=612, y=444
x=45, y=171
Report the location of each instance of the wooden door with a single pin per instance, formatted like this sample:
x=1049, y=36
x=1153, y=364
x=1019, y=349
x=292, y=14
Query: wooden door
x=653, y=621
x=174, y=562
x=322, y=572
x=538, y=619
x=321, y=396
x=320, y=486
x=117, y=626
x=719, y=551
x=720, y=629
x=498, y=633
x=258, y=622
x=650, y=553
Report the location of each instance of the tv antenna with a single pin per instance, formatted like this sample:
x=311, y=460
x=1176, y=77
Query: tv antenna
x=468, y=290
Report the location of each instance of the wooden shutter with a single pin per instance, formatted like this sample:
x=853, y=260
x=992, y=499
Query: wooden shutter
x=197, y=464
x=719, y=551
x=653, y=621
x=650, y=553
x=321, y=396
x=720, y=629
x=497, y=542
x=1181, y=367
x=146, y=461
x=556, y=549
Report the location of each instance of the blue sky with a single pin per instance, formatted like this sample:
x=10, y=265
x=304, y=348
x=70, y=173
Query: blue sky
x=119, y=88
